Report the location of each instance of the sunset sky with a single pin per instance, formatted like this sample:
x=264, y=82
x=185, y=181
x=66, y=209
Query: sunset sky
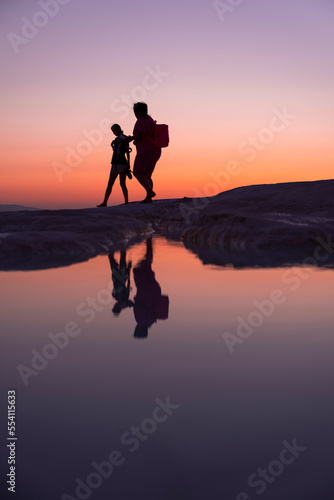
x=246, y=88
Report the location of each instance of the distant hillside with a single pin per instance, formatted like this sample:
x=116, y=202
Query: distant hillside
x=15, y=208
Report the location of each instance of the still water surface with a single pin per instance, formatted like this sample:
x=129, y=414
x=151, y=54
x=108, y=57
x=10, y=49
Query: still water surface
x=210, y=383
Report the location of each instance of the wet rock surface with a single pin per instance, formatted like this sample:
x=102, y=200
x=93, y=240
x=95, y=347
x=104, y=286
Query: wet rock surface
x=265, y=225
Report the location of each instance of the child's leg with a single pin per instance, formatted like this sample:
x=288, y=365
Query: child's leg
x=122, y=180
x=111, y=182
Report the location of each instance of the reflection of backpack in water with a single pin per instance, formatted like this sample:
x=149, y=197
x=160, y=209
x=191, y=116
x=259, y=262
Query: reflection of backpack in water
x=161, y=306
x=160, y=135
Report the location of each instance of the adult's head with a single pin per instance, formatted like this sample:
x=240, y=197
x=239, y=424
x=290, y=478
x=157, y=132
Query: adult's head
x=140, y=109
x=141, y=332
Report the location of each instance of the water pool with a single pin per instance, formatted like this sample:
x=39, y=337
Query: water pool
x=145, y=374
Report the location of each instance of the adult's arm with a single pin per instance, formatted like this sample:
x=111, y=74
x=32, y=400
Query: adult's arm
x=137, y=136
x=139, y=131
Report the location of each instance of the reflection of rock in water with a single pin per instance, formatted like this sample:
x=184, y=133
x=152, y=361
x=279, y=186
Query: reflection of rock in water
x=149, y=303
x=257, y=242
x=265, y=226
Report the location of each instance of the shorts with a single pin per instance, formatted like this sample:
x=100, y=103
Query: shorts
x=118, y=168
x=145, y=162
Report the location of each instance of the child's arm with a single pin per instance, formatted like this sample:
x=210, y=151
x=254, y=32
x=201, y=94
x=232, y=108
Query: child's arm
x=138, y=136
x=127, y=153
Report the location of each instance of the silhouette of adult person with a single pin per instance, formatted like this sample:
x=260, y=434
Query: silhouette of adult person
x=120, y=274
x=147, y=153
x=149, y=303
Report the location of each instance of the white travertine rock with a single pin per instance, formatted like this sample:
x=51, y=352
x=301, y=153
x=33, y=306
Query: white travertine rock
x=264, y=225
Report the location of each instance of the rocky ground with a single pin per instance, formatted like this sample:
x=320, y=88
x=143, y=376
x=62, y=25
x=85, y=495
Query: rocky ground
x=265, y=225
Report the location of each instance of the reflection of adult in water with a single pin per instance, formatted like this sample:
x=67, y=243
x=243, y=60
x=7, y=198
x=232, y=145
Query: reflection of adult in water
x=120, y=274
x=149, y=304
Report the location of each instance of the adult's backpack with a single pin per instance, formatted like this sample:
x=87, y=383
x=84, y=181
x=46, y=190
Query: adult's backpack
x=160, y=135
x=161, y=307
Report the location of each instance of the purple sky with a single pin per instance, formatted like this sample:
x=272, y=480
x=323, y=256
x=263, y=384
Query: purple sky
x=221, y=78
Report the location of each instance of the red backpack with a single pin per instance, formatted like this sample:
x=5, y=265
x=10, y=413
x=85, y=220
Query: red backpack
x=160, y=135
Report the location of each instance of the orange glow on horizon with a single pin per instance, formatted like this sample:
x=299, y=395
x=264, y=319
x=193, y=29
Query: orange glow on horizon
x=178, y=173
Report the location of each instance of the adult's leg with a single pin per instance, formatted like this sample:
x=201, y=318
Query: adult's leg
x=148, y=174
x=151, y=183
x=112, y=261
x=122, y=259
x=149, y=171
x=143, y=169
x=144, y=181
x=139, y=167
x=122, y=181
x=111, y=182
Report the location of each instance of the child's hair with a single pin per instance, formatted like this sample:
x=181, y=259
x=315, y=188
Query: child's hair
x=116, y=127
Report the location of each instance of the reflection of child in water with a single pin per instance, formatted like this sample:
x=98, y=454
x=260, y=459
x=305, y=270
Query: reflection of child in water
x=149, y=304
x=120, y=274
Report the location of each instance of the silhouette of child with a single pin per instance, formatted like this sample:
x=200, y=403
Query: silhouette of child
x=120, y=274
x=120, y=164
